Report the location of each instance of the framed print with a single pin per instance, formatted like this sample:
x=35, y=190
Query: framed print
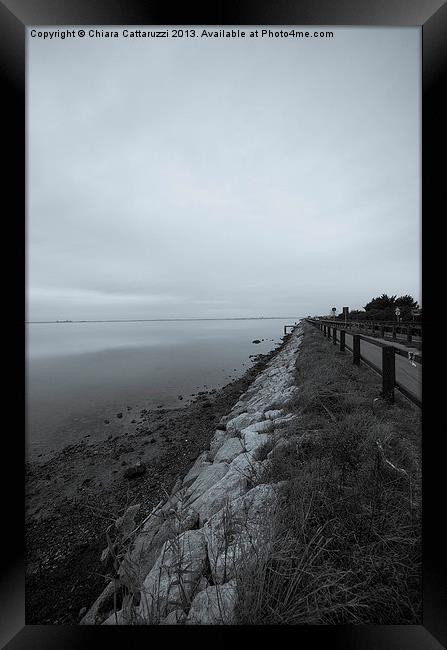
x=226, y=214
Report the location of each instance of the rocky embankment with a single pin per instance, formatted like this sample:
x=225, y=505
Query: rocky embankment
x=184, y=560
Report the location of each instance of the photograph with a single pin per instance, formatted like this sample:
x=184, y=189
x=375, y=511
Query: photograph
x=223, y=325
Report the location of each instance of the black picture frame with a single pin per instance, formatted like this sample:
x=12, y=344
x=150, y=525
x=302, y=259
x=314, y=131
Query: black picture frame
x=15, y=16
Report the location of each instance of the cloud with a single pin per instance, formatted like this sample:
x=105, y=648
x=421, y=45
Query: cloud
x=243, y=178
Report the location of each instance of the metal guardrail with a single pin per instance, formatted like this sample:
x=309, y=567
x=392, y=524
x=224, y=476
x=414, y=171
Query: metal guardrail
x=388, y=370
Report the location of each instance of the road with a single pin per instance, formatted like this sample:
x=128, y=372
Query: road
x=407, y=374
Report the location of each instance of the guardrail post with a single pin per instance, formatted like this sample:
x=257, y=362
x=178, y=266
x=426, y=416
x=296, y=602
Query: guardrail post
x=382, y=331
x=409, y=335
x=393, y=330
x=329, y=332
x=342, y=340
x=324, y=330
x=334, y=336
x=388, y=373
x=356, y=349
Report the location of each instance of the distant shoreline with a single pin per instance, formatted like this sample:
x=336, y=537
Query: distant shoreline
x=158, y=320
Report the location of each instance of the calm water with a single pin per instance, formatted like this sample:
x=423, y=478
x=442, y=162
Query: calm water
x=79, y=374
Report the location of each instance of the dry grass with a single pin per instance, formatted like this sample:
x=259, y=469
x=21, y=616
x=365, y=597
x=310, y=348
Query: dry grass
x=345, y=539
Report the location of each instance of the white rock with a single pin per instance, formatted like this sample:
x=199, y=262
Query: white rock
x=115, y=620
x=176, y=617
x=214, y=606
x=259, y=427
x=243, y=420
x=172, y=580
x=209, y=475
x=275, y=413
x=237, y=531
x=243, y=469
x=229, y=450
x=200, y=462
x=254, y=441
x=245, y=465
x=232, y=485
x=217, y=441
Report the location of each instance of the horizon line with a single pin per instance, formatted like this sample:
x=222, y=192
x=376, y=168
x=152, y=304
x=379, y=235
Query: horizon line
x=151, y=320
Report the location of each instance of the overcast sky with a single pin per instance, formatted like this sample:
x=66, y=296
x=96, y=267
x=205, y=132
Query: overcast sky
x=223, y=177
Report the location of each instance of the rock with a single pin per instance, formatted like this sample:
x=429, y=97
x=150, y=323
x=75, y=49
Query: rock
x=259, y=427
x=92, y=617
x=106, y=422
x=229, y=450
x=136, y=470
x=176, y=617
x=254, y=441
x=214, y=606
x=143, y=552
x=229, y=487
x=244, y=420
x=209, y=475
x=238, y=531
x=177, y=485
x=82, y=611
x=256, y=341
x=217, y=441
x=126, y=523
x=172, y=580
x=200, y=463
x=275, y=413
x=115, y=619
x=180, y=397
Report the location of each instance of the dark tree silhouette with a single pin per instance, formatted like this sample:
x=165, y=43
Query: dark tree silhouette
x=383, y=308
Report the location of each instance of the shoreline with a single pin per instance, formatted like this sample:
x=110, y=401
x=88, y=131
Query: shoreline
x=73, y=496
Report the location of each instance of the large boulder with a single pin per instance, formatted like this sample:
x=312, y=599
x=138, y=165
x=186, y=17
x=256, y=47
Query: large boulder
x=254, y=441
x=214, y=606
x=237, y=531
x=144, y=550
x=229, y=450
x=273, y=414
x=243, y=470
x=177, y=617
x=217, y=441
x=209, y=475
x=200, y=463
x=173, y=580
x=260, y=427
x=232, y=485
x=243, y=420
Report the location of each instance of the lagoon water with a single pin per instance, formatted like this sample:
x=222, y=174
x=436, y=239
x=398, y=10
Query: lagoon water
x=79, y=374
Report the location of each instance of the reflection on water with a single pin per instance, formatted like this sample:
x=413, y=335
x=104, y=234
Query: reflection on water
x=79, y=374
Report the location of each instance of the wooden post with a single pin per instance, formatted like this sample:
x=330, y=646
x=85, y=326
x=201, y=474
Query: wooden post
x=324, y=330
x=409, y=335
x=388, y=373
x=394, y=333
x=334, y=336
x=356, y=349
x=329, y=332
x=382, y=331
x=342, y=340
